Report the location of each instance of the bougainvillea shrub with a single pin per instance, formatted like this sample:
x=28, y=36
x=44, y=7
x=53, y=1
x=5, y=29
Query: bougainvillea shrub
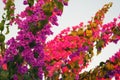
x=29, y=57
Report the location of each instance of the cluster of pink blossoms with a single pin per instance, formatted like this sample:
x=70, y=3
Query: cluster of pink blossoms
x=72, y=50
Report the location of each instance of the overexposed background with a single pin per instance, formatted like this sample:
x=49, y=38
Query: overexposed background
x=77, y=11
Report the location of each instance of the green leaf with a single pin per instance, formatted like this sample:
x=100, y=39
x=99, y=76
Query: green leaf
x=30, y=2
x=12, y=68
x=8, y=9
x=76, y=65
x=20, y=49
x=41, y=24
x=2, y=25
x=32, y=44
x=7, y=32
x=27, y=77
x=35, y=72
x=68, y=66
x=29, y=12
x=35, y=28
x=3, y=16
x=116, y=31
x=102, y=63
x=48, y=8
x=99, y=45
x=59, y=5
x=18, y=59
x=32, y=28
x=8, y=4
x=2, y=38
x=36, y=55
x=4, y=75
x=9, y=13
x=48, y=13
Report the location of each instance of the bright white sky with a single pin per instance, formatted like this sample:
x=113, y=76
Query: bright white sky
x=78, y=11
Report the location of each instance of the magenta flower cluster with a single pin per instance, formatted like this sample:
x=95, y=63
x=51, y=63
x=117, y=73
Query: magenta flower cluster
x=26, y=50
